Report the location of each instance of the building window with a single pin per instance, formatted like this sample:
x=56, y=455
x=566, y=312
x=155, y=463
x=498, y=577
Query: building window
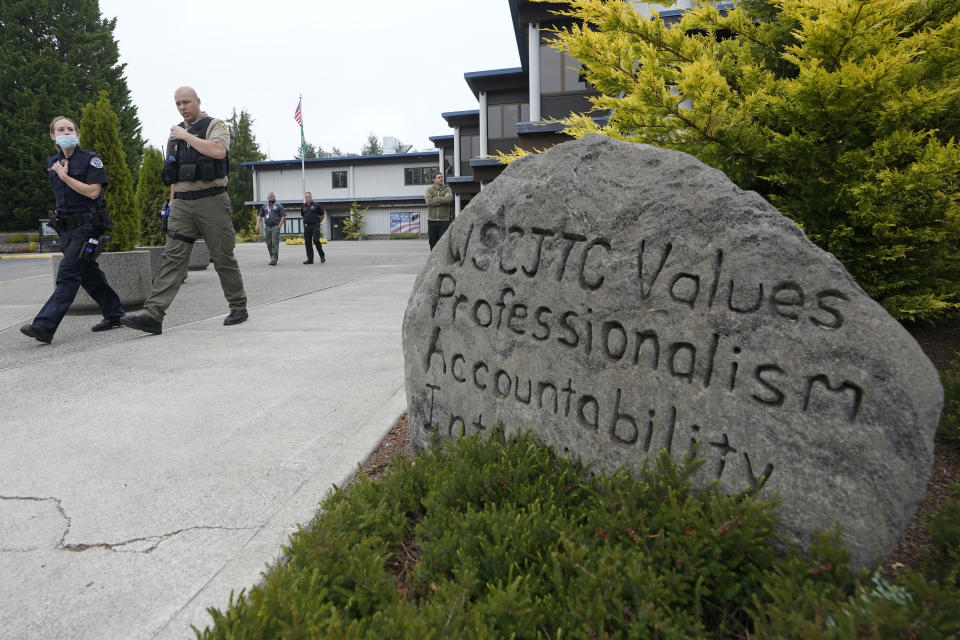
x=559, y=73
x=339, y=179
x=469, y=147
x=502, y=120
x=418, y=175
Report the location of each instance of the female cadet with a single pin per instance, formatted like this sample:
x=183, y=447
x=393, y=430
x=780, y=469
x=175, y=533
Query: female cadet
x=77, y=177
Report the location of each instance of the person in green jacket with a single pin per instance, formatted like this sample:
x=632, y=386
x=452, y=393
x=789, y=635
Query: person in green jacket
x=439, y=200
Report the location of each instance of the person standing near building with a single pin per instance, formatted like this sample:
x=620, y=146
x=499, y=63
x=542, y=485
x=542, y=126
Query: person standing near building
x=273, y=214
x=439, y=200
x=196, y=169
x=312, y=217
x=77, y=177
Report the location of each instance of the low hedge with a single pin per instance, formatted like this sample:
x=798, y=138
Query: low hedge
x=949, y=427
x=482, y=538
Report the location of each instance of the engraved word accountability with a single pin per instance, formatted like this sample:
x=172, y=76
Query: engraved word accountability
x=523, y=263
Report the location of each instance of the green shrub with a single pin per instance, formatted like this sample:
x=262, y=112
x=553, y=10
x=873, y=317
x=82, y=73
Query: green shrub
x=836, y=112
x=404, y=236
x=943, y=525
x=150, y=197
x=352, y=225
x=17, y=238
x=490, y=539
x=99, y=132
x=950, y=418
x=248, y=232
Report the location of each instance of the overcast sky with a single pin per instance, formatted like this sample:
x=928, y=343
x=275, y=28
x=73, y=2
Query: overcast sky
x=363, y=66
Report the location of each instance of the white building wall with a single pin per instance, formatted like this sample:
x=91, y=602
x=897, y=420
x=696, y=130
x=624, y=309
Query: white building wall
x=376, y=221
x=368, y=181
x=365, y=181
x=647, y=9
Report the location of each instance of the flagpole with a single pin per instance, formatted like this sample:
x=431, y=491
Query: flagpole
x=303, y=153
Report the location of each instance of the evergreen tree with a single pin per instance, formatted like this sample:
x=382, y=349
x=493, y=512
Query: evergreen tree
x=243, y=148
x=352, y=226
x=845, y=115
x=309, y=151
x=55, y=56
x=99, y=132
x=150, y=197
x=372, y=147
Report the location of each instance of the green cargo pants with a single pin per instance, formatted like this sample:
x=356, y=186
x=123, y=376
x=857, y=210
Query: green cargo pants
x=208, y=219
x=272, y=237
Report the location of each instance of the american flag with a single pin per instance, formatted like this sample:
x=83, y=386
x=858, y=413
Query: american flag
x=297, y=115
x=404, y=223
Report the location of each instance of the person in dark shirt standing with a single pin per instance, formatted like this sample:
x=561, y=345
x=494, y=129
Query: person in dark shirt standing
x=312, y=218
x=77, y=177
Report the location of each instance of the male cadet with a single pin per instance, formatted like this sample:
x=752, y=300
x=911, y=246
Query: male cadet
x=196, y=169
x=439, y=197
x=273, y=214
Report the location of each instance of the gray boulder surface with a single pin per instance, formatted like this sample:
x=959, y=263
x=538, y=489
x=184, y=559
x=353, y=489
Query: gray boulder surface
x=620, y=299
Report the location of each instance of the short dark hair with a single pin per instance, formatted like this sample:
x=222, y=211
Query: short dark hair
x=437, y=173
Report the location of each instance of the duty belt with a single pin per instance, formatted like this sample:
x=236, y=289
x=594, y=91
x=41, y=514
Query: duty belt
x=196, y=195
x=70, y=220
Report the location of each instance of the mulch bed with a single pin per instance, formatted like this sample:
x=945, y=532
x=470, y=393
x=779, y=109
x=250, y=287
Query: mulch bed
x=941, y=344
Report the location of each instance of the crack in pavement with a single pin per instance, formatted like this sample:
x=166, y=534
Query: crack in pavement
x=117, y=547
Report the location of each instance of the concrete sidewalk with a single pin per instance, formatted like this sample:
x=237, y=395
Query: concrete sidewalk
x=143, y=478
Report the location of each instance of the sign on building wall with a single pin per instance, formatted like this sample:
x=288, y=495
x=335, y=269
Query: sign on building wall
x=404, y=223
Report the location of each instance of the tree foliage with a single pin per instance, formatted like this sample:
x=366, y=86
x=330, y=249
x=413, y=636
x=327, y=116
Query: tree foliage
x=845, y=115
x=99, y=132
x=372, y=146
x=150, y=197
x=55, y=56
x=310, y=151
x=243, y=148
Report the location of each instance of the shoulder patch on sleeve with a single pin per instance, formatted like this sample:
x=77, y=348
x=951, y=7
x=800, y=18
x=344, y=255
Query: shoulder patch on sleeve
x=221, y=124
x=96, y=162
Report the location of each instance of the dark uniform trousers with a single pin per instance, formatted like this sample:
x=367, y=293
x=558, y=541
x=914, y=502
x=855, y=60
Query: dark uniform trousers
x=311, y=237
x=73, y=274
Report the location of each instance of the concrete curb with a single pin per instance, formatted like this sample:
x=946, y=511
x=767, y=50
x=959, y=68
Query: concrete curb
x=26, y=256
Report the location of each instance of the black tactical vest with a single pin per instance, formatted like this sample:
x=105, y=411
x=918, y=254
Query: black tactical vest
x=184, y=163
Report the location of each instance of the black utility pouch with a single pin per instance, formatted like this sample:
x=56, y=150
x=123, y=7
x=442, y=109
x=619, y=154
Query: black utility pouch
x=187, y=172
x=170, y=173
x=205, y=168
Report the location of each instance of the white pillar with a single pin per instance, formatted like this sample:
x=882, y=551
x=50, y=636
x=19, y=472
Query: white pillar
x=533, y=56
x=440, y=166
x=483, y=123
x=456, y=202
x=456, y=151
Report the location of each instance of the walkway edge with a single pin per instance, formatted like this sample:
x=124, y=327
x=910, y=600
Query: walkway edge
x=263, y=543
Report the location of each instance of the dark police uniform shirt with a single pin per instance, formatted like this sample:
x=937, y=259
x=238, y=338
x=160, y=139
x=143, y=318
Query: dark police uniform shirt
x=85, y=166
x=311, y=214
x=271, y=214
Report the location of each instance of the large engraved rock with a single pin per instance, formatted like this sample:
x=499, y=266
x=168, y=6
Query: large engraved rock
x=620, y=300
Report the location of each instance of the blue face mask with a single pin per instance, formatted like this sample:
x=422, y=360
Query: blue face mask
x=67, y=142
